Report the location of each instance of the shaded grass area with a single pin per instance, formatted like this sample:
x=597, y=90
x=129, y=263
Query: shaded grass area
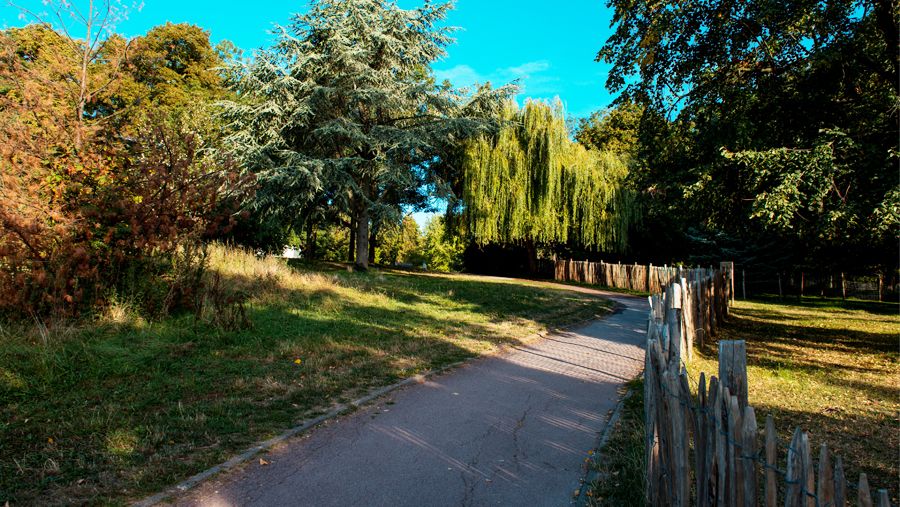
x=113, y=411
x=620, y=463
x=828, y=366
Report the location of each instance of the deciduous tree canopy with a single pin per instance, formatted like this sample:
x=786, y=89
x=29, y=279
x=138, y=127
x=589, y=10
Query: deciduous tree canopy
x=104, y=165
x=773, y=124
x=343, y=107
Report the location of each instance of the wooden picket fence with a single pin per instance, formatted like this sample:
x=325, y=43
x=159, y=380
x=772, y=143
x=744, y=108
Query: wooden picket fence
x=636, y=277
x=704, y=451
x=708, y=290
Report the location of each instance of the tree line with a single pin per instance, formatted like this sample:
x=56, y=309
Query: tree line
x=109, y=161
x=765, y=132
x=760, y=132
x=122, y=157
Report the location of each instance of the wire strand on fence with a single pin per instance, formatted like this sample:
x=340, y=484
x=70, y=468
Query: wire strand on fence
x=695, y=408
x=690, y=405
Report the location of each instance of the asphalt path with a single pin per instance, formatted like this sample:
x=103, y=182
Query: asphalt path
x=512, y=429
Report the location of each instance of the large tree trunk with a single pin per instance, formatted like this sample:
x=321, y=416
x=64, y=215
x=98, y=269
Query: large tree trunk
x=362, y=239
x=351, y=252
x=373, y=239
x=310, y=240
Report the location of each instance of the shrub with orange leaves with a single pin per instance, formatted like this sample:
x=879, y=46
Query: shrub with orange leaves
x=103, y=201
x=72, y=230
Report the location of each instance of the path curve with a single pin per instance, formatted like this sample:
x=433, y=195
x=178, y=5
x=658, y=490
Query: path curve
x=512, y=429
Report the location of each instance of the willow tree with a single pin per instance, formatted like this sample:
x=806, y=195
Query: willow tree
x=343, y=107
x=531, y=184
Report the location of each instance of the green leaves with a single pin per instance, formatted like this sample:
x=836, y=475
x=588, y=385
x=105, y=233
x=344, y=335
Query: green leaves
x=799, y=190
x=531, y=182
x=343, y=112
x=785, y=87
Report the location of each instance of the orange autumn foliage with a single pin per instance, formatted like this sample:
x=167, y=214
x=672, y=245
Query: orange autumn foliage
x=73, y=220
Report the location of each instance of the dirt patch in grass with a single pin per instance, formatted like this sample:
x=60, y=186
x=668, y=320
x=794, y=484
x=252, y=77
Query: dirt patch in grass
x=112, y=411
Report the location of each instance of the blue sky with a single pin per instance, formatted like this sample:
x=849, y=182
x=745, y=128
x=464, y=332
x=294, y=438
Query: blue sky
x=549, y=46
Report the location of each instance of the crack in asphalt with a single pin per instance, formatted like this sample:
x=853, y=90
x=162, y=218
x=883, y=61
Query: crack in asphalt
x=515, y=434
x=469, y=495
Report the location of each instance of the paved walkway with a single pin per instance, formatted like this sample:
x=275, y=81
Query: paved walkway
x=507, y=430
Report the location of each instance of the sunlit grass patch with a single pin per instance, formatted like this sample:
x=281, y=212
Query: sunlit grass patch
x=828, y=366
x=121, y=442
x=133, y=406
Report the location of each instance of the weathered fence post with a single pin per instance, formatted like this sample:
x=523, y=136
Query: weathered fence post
x=771, y=462
x=733, y=368
x=721, y=448
x=700, y=444
x=688, y=316
x=748, y=455
x=840, y=483
x=794, y=476
x=728, y=269
x=864, y=497
x=674, y=323
x=712, y=289
x=808, y=473
x=712, y=425
x=825, y=487
x=735, y=470
x=650, y=445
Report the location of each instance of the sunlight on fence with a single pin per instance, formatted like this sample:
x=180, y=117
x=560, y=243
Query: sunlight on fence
x=705, y=451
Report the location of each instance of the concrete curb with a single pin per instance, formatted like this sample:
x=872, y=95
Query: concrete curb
x=341, y=409
x=591, y=474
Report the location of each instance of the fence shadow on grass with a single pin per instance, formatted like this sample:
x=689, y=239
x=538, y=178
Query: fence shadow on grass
x=834, y=376
x=760, y=326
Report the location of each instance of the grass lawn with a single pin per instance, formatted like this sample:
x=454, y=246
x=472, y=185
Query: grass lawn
x=828, y=366
x=112, y=411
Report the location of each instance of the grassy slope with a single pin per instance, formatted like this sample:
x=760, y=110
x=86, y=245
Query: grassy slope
x=830, y=367
x=120, y=410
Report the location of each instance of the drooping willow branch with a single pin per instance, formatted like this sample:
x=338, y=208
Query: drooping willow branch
x=532, y=182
